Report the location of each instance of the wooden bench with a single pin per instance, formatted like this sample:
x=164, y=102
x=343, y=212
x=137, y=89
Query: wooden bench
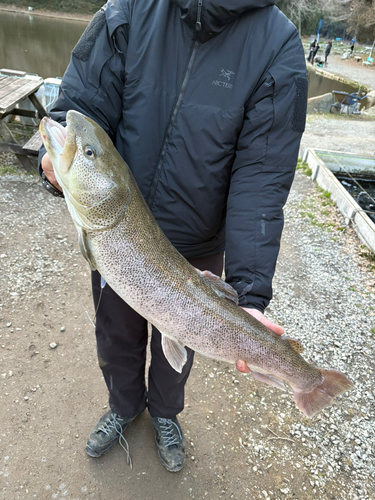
x=33, y=144
x=14, y=88
x=12, y=72
x=27, y=153
x=358, y=59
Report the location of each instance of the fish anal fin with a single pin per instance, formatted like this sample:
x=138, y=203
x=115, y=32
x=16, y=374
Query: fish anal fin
x=268, y=379
x=219, y=286
x=333, y=384
x=84, y=247
x=175, y=353
x=294, y=344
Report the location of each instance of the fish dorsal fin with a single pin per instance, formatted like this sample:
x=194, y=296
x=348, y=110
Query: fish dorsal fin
x=84, y=247
x=219, y=286
x=175, y=353
x=294, y=344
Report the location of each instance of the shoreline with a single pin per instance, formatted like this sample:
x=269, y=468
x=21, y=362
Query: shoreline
x=47, y=13
x=345, y=71
x=348, y=71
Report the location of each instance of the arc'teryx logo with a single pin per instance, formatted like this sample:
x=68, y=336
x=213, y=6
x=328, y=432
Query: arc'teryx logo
x=226, y=73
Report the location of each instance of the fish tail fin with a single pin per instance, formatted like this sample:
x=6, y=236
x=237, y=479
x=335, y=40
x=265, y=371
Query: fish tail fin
x=334, y=383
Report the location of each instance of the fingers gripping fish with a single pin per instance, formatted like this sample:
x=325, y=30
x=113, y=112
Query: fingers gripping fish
x=120, y=238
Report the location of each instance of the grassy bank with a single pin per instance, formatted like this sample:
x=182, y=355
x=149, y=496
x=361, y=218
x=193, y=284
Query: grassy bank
x=67, y=6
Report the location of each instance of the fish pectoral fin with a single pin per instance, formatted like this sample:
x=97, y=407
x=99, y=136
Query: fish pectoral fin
x=268, y=379
x=219, y=286
x=84, y=247
x=175, y=353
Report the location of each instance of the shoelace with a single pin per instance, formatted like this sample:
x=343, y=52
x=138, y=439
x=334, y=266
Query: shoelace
x=114, y=424
x=168, y=431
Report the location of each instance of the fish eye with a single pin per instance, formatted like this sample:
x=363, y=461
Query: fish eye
x=90, y=151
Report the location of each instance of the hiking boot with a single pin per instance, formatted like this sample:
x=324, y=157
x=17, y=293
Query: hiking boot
x=170, y=442
x=107, y=431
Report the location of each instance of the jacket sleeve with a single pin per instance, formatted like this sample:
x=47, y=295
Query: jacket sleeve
x=262, y=174
x=94, y=79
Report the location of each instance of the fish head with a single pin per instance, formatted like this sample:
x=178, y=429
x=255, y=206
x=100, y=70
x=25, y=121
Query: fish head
x=92, y=174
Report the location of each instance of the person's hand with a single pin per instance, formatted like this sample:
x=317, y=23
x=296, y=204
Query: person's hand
x=240, y=363
x=47, y=168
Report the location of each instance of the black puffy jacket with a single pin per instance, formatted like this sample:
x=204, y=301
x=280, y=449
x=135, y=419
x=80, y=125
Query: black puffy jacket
x=206, y=101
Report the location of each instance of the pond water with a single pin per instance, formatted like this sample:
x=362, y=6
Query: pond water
x=36, y=44
x=362, y=190
x=356, y=173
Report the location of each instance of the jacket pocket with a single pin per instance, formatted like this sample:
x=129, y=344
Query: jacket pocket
x=261, y=119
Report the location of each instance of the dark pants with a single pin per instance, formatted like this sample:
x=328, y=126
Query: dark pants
x=121, y=336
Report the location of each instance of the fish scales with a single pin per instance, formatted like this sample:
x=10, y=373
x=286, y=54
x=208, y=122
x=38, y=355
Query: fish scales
x=120, y=238
x=166, y=290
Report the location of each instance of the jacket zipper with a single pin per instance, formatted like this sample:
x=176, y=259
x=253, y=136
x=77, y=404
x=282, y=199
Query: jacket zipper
x=151, y=194
x=198, y=24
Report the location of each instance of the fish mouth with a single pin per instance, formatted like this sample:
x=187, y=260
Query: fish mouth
x=60, y=145
x=53, y=135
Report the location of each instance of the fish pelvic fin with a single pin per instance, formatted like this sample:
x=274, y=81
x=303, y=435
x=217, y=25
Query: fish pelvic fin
x=334, y=383
x=222, y=289
x=84, y=247
x=175, y=353
x=268, y=379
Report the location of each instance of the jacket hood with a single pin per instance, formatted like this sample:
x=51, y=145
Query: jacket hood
x=214, y=15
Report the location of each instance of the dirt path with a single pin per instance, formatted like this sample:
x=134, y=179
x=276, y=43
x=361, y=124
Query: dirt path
x=353, y=134
x=351, y=70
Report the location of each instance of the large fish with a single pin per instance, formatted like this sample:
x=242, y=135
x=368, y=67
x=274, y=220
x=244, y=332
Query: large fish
x=120, y=238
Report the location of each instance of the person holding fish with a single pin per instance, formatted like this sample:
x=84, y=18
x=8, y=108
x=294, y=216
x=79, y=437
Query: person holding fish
x=210, y=123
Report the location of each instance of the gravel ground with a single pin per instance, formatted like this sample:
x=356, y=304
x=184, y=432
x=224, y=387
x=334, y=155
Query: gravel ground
x=335, y=321
x=351, y=134
x=244, y=439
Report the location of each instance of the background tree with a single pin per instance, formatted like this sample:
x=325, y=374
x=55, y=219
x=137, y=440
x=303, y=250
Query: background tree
x=305, y=14
x=341, y=18
x=362, y=19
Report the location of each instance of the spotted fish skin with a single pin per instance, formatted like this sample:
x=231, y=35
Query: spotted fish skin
x=120, y=238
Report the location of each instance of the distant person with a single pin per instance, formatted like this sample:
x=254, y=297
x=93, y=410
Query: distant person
x=312, y=47
x=352, y=45
x=327, y=51
x=314, y=52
